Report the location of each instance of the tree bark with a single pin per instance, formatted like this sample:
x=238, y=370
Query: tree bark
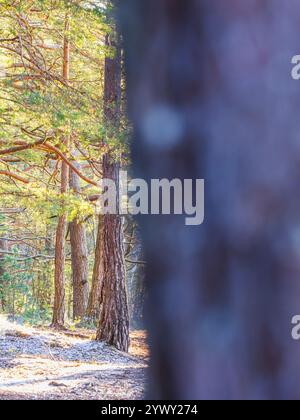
x=214, y=80
x=114, y=314
x=79, y=256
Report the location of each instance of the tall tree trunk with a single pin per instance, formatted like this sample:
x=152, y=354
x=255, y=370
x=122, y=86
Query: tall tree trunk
x=3, y=247
x=93, y=309
x=114, y=314
x=59, y=271
x=214, y=80
x=60, y=243
x=79, y=254
x=47, y=293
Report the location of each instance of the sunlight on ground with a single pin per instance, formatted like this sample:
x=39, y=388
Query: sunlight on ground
x=4, y=324
x=39, y=363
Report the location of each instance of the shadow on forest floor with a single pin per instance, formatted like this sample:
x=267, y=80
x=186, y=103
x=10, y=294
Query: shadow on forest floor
x=39, y=363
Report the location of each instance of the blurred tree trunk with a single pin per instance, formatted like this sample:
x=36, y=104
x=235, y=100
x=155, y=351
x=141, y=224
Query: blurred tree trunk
x=79, y=255
x=213, y=78
x=114, y=314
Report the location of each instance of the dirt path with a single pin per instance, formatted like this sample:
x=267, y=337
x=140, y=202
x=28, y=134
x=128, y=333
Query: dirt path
x=43, y=364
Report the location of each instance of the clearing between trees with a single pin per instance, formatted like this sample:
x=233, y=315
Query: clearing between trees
x=44, y=364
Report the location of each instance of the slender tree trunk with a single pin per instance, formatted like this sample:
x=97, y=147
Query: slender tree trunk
x=79, y=254
x=214, y=80
x=114, y=314
x=46, y=273
x=59, y=271
x=3, y=247
x=60, y=243
x=93, y=310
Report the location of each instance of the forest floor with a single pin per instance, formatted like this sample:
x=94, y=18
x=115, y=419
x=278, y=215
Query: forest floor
x=43, y=364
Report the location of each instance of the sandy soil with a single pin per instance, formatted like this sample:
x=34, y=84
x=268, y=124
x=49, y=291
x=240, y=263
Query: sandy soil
x=39, y=363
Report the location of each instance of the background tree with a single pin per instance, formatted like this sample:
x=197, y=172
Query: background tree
x=79, y=254
x=60, y=244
